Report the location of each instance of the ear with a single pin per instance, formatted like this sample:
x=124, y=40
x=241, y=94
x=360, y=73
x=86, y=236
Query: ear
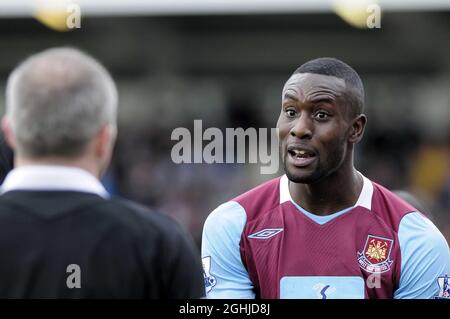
x=7, y=132
x=105, y=140
x=357, y=129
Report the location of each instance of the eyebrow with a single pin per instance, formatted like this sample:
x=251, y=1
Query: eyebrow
x=290, y=96
x=323, y=99
x=313, y=100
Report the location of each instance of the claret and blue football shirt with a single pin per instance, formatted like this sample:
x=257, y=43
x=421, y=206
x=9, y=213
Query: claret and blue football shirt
x=264, y=245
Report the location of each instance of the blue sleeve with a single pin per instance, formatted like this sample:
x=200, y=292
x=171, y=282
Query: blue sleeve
x=425, y=259
x=225, y=275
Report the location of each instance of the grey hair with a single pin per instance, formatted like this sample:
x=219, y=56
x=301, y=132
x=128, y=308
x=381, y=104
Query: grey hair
x=57, y=101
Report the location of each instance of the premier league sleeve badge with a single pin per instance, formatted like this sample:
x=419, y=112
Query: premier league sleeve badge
x=210, y=281
x=444, y=288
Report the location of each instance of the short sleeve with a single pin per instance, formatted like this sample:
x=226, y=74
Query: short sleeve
x=224, y=273
x=425, y=259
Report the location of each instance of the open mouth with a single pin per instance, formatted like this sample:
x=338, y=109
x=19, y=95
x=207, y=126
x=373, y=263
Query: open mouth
x=301, y=156
x=300, y=153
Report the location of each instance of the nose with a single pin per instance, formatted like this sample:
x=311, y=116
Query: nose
x=302, y=128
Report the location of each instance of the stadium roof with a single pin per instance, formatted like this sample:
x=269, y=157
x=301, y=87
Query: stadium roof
x=23, y=8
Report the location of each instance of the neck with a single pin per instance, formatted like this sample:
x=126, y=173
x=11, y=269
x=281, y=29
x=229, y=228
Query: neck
x=335, y=192
x=79, y=162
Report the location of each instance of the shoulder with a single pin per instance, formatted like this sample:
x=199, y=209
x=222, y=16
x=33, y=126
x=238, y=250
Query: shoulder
x=389, y=207
x=418, y=232
x=425, y=257
x=152, y=229
x=138, y=212
x=260, y=199
x=141, y=220
x=237, y=211
x=229, y=218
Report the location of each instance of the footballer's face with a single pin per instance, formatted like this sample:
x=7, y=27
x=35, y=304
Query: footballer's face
x=313, y=126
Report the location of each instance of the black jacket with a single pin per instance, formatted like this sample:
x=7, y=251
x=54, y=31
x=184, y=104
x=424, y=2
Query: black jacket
x=119, y=249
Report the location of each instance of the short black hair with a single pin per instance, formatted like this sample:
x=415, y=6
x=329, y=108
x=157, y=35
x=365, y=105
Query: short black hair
x=339, y=69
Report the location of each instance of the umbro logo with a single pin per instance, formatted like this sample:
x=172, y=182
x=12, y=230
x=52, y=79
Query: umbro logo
x=266, y=233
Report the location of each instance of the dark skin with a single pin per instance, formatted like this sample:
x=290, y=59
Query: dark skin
x=318, y=130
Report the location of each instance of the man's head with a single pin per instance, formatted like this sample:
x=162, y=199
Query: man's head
x=61, y=106
x=321, y=119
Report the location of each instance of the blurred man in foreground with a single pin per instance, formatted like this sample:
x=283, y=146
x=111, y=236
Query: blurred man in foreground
x=61, y=234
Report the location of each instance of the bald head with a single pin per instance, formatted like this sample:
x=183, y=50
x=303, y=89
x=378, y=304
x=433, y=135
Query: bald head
x=57, y=101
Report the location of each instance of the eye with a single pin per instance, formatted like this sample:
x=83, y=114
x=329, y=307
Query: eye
x=290, y=112
x=321, y=115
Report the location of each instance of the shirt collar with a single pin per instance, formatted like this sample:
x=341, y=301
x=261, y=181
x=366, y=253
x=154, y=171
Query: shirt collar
x=50, y=177
x=364, y=199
